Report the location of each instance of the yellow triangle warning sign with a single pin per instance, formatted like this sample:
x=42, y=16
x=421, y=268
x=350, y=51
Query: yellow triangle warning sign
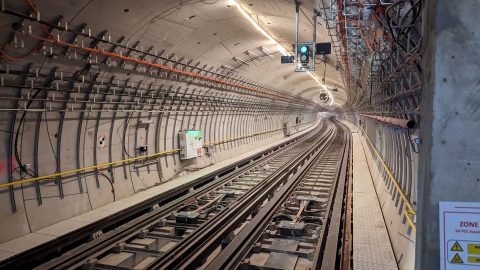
x=456, y=247
x=456, y=259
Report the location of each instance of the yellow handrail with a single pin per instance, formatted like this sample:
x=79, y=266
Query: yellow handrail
x=410, y=210
x=410, y=220
x=103, y=165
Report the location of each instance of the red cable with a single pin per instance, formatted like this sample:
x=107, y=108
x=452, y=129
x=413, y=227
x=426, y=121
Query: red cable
x=34, y=8
x=18, y=58
x=49, y=39
x=167, y=68
x=92, y=50
x=34, y=49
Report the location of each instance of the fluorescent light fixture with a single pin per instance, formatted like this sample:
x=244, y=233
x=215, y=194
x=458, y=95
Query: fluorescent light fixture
x=280, y=48
x=245, y=14
x=231, y=2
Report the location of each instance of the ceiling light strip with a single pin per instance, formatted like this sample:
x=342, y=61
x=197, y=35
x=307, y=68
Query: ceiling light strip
x=280, y=48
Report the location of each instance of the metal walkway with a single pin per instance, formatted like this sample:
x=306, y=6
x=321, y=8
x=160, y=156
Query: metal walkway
x=372, y=249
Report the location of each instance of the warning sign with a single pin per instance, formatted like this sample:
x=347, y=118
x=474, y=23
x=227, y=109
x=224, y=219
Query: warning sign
x=459, y=236
x=456, y=259
x=456, y=247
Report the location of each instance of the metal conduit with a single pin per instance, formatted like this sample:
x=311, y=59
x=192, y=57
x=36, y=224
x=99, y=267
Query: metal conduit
x=404, y=123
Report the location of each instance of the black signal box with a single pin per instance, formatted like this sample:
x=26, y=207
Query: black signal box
x=323, y=48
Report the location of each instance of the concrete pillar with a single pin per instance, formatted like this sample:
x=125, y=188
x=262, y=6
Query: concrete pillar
x=450, y=125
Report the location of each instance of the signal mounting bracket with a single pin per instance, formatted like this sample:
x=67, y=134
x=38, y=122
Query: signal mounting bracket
x=304, y=65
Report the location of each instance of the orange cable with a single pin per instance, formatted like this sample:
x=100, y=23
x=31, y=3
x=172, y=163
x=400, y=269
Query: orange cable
x=172, y=69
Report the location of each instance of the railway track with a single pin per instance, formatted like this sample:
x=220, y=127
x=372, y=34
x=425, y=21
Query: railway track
x=198, y=229
x=161, y=235
x=196, y=250
x=290, y=231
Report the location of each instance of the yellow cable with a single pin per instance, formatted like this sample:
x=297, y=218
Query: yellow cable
x=53, y=175
x=87, y=168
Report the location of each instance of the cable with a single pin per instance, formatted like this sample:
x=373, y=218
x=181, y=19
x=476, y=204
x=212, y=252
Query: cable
x=45, y=29
x=21, y=177
x=49, y=139
x=35, y=48
x=17, y=155
x=163, y=14
x=203, y=1
x=110, y=181
x=127, y=121
x=86, y=175
x=34, y=8
x=80, y=11
x=324, y=71
x=123, y=139
x=20, y=57
x=22, y=119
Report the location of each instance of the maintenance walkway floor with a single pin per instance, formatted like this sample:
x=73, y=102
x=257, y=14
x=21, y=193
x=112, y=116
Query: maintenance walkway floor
x=372, y=249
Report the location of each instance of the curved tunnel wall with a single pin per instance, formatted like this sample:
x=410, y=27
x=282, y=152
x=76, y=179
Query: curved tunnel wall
x=56, y=142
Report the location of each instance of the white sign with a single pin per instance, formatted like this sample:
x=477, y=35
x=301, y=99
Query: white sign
x=459, y=235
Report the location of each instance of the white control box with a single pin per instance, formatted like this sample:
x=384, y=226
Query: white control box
x=191, y=143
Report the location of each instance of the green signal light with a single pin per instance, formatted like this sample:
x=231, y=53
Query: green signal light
x=303, y=49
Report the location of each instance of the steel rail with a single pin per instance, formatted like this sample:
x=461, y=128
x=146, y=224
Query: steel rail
x=328, y=255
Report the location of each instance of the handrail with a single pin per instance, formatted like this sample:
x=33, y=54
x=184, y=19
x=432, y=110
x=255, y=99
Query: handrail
x=410, y=220
x=410, y=210
x=118, y=162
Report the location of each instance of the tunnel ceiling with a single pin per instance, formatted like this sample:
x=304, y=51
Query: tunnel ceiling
x=212, y=32
x=374, y=66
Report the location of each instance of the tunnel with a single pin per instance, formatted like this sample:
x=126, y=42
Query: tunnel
x=239, y=134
